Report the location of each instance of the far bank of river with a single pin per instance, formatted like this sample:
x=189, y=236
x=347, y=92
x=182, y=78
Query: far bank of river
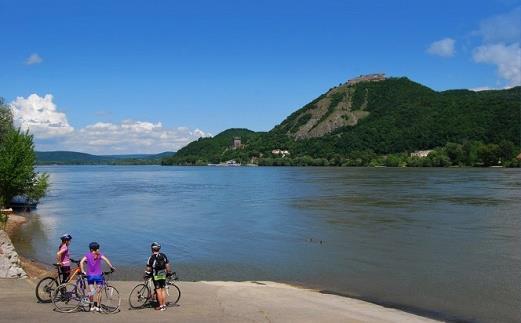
x=411, y=238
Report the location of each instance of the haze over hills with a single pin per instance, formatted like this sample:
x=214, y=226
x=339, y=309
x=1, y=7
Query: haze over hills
x=376, y=116
x=78, y=158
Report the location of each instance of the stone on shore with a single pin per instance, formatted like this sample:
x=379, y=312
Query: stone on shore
x=10, y=265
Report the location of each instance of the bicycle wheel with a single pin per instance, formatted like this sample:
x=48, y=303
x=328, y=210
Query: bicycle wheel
x=109, y=299
x=173, y=292
x=139, y=296
x=68, y=297
x=45, y=288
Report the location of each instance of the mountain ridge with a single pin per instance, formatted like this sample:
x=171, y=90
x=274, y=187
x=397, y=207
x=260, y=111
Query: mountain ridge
x=390, y=116
x=79, y=158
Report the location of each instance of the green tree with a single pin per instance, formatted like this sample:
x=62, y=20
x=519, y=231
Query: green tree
x=6, y=119
x=455, y=153
x=17, y=168
x=489, y=154
x=470, y=150
x=506, y=150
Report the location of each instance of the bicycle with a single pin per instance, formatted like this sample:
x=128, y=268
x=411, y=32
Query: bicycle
x=72, y=297
x=141, y=295
x=47, y=285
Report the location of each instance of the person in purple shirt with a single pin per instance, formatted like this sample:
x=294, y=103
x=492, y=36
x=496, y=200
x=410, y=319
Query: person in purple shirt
x=94, y=272
x=62, y=257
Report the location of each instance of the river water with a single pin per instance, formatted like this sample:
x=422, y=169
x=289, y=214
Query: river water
x=439, y=242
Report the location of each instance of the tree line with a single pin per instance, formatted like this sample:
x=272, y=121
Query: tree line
x=17, y=163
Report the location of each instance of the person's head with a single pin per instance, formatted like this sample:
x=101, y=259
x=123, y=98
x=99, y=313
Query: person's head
x=66, y=238
x=94, y=247
x=155, y=246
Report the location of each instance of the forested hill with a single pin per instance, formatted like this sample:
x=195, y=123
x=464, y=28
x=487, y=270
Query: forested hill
x=77, y=158
x=216, y=149
x=378, y=118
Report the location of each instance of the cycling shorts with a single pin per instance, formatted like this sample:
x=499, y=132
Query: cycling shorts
x=98, y=279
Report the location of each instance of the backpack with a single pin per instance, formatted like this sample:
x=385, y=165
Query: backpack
x=159, y=262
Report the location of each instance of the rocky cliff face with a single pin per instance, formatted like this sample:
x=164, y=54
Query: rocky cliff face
x=332, y=110
x=10, y=266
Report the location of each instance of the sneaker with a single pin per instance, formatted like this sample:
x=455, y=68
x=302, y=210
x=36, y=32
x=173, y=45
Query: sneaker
x=162, y=308
x=93, y=308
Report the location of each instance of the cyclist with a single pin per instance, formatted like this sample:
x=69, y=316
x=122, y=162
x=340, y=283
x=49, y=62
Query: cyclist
x=94, y=272
x=62, y=257
x=158, y=268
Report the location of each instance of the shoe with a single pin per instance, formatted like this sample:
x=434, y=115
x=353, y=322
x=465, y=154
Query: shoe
x=93, y=308
x=163, y=308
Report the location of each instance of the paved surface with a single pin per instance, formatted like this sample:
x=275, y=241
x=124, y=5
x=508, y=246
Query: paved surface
x=209, y=302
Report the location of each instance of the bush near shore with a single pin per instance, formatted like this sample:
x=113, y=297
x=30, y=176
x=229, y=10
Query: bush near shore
x=17, y=163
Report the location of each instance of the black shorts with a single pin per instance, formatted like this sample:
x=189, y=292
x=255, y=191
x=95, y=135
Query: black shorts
x=65, y=272
x=160, y=283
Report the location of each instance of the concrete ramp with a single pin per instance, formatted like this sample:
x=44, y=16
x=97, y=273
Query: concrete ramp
x=209, y=302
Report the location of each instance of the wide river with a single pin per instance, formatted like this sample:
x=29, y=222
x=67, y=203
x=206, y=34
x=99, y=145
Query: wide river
x=440, y=242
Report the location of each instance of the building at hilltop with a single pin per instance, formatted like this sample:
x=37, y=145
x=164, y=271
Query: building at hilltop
x=367, y=78
x=237, y=143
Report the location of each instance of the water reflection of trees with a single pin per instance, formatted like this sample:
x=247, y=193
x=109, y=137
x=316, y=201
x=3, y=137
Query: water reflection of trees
x=31, y=236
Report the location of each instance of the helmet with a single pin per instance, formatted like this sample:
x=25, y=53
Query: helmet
x=66, y=237
x=93, y=246
x=155, y=245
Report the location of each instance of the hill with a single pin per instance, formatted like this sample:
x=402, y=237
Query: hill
x=77, y=158
x=215, y=149
x=370, y=120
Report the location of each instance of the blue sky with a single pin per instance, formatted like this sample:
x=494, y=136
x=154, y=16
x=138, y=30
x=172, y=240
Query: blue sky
x=161, y=73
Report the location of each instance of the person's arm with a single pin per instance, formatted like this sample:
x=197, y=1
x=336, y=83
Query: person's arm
x=59, y=256
x=82, y=262
x=168, y=267
x=108, y=262
x=148, y=267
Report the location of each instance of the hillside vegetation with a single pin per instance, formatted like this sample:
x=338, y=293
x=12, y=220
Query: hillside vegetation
x=77, y=158
x=380, y=123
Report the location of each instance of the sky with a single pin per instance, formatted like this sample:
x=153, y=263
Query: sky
x=109, y=77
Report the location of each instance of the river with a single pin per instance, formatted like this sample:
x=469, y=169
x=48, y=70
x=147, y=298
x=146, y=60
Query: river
x=439, y=242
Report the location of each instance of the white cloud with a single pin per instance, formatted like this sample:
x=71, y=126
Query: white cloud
x=52, y=131
x=40, y=116
x=501, y=36
x=505, y=28
x=507, y=58
x=443, y=47
x=33, y=59
x=130, y=137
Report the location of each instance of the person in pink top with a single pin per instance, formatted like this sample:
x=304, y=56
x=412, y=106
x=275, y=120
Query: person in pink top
x=94, y=272
x=62, y=257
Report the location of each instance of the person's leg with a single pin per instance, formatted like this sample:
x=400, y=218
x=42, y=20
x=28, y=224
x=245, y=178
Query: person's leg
x=66, y=272
x=98, y=295
x=162, y=293
x=161, y=296
x=92, y=292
